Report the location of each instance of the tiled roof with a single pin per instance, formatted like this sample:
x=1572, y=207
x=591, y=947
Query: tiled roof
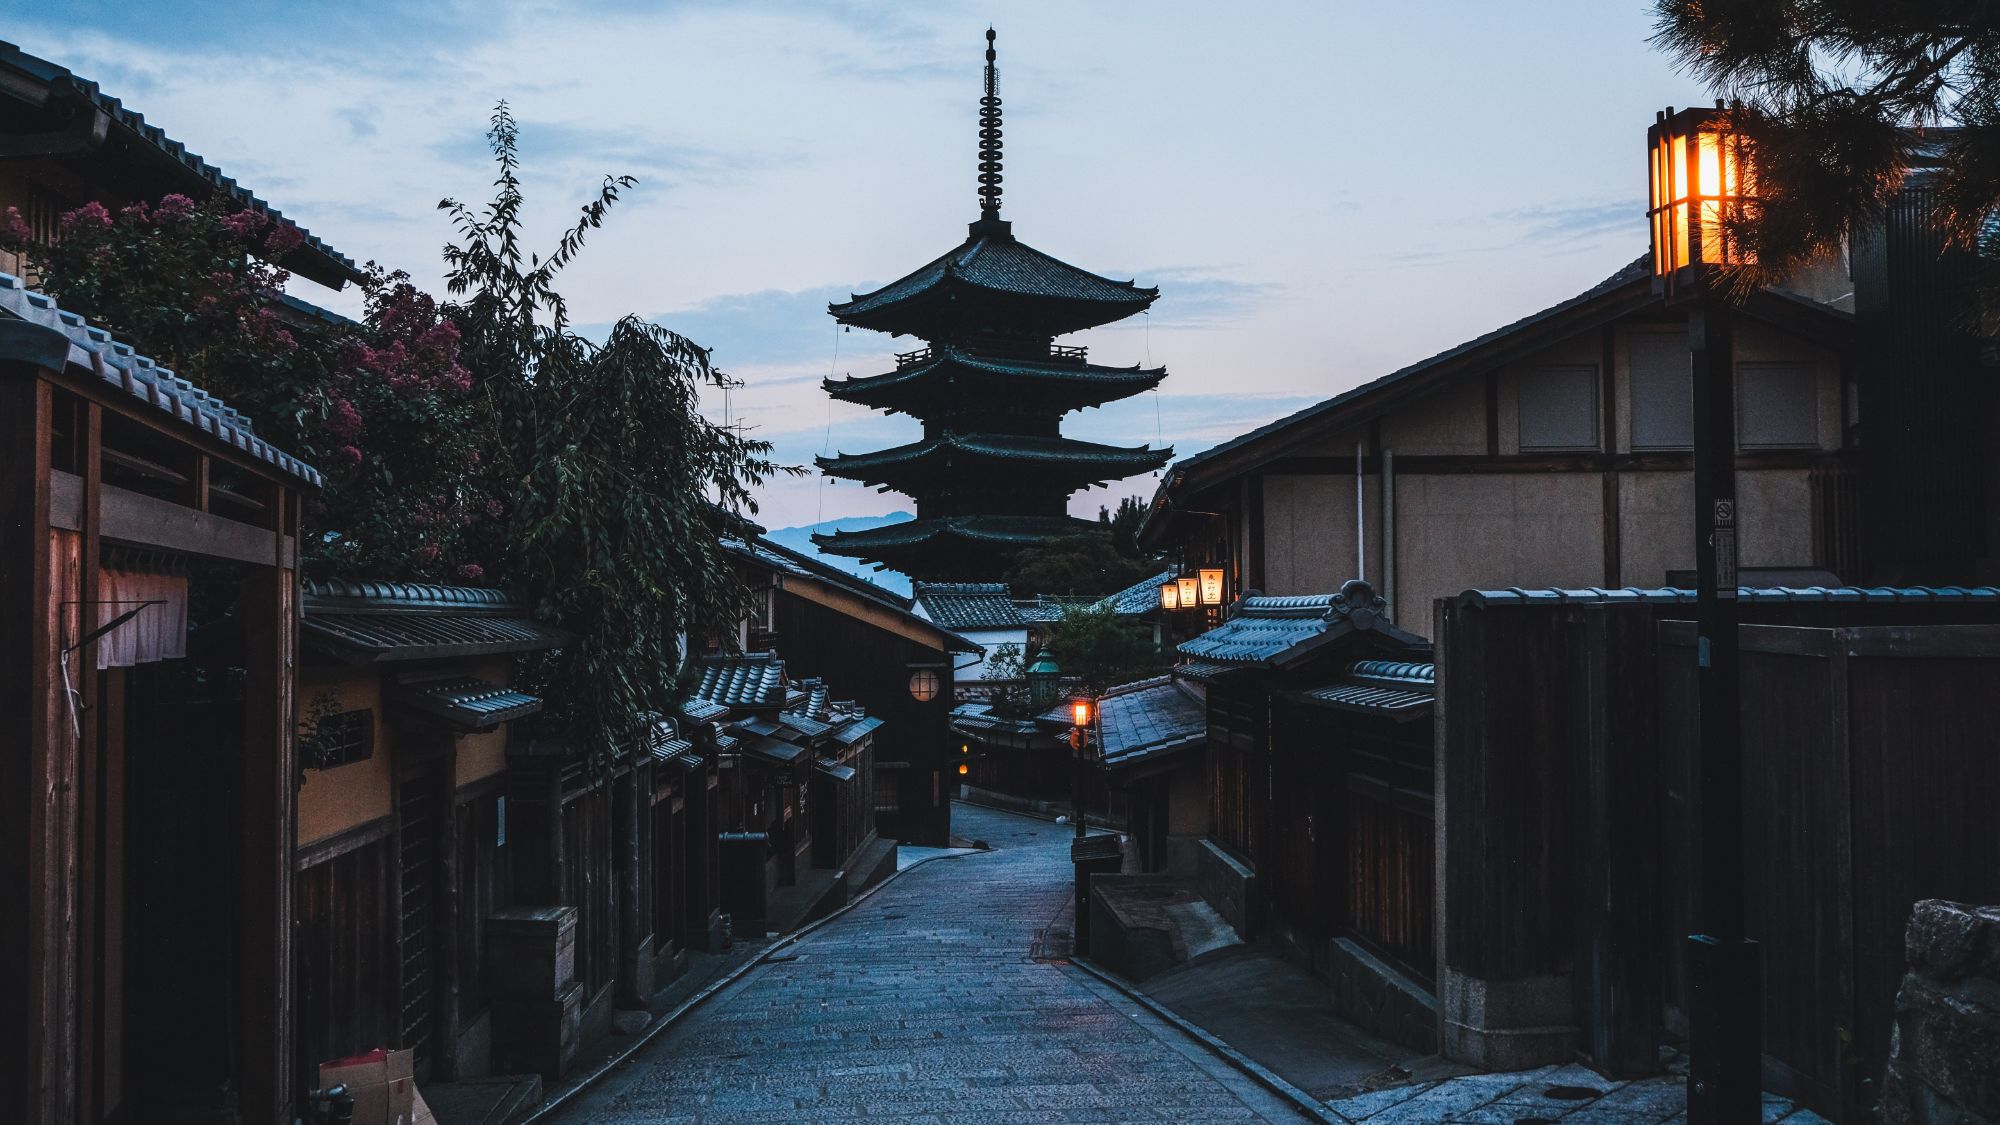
x=876, y=543
x=117, y=366
x=970, y=605
x=1205, y=671
x=1139, y=598
x=465, y=702
x=995, y=453
x=834, y=769
x=785, y=560
x=990, y=265
x=772, y=749
x=373, y=622
x=1274, y=632
x=329, y=266
x=952, y=371
x=1515, y=595
x=857, y=729
x=702, y=711
x=1394, y=689
x=1144, y=721
x=752, y=680
x=803, y=724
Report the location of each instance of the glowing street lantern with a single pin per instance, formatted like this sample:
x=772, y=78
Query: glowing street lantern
x=1698, y=182
x=1211, y=586
x=1170, y=595
x=1079, y=711
x=1190, y=588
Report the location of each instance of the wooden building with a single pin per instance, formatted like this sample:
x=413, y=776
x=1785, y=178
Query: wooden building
x=867, y=645
x=148, y=590
x=404, y=711
x=65, y=142
x=992, y=472
x=1556, y=450
x=1299, y=706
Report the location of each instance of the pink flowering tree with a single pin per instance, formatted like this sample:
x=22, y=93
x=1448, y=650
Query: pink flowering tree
x=383, y=407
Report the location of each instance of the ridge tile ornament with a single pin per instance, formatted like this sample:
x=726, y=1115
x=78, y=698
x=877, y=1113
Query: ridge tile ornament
x=992, y=474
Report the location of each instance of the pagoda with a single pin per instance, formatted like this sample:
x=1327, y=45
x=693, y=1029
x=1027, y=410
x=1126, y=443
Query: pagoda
x=992, y=473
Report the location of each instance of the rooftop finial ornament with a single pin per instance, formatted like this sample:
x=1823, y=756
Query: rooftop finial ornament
x=989, y=137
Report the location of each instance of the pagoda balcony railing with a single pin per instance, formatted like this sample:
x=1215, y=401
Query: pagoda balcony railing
x=1056, y=353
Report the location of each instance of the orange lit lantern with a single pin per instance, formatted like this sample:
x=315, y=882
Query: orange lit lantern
x=1170, y=595
x=1079, y=711
x=923, y=685
x=1698, y=183
x=1211, y=586
x=1190, y=591
x=963, y=769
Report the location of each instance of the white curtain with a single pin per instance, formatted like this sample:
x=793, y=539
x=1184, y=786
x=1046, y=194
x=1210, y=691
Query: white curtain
x=158, y=632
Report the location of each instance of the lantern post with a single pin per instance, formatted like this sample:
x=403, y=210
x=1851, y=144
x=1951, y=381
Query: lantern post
x=1698, y=185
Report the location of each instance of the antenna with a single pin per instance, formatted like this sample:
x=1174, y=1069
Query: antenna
x=989, y=137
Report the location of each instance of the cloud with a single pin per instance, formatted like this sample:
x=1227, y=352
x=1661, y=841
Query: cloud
x=1573, y=220
x=1196, y=297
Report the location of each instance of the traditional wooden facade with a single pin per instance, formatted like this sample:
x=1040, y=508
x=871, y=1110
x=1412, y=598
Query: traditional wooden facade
x=992, y=472
x=405, y=708
x=1303, y=711
x=148, y=590
x=1556, y=449
x=867, y=645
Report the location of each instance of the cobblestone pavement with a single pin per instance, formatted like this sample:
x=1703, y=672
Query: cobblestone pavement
x=1571, y=1094
x=923, y=1004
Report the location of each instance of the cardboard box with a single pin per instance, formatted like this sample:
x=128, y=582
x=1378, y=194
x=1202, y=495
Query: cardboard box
x=380, y=1082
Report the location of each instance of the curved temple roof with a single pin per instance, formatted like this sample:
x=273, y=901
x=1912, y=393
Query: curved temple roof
x=945, y=536
x=996, y=453
x=950, y=371
x=994, y=281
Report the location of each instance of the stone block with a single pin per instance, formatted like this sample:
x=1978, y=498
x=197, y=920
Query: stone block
x=1505, y=1024
x=1228, y=885
x=538, y=1036
x=1944, y=1056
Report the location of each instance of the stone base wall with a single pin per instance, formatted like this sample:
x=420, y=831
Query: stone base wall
x=1375, y=996
x=1505, y=1024
x=1944, y=1062
x=1228, y=886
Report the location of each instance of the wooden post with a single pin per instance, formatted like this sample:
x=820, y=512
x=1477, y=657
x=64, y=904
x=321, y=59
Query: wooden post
x=269, y=830
x=27, y=1090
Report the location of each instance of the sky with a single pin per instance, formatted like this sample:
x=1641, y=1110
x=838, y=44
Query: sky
x=1323, y=192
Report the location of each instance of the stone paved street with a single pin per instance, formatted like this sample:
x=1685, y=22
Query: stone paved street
x=924, y=1004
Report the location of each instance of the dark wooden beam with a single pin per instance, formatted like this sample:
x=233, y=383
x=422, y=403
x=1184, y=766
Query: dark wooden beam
x=1450, y=464
x=31, y=1033
x=1493, y=413
x=1607, y=401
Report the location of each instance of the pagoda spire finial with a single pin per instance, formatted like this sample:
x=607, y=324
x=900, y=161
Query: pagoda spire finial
x=989, y=137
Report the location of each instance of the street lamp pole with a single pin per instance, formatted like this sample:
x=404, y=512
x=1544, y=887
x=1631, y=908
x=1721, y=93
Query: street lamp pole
x=1698, y=182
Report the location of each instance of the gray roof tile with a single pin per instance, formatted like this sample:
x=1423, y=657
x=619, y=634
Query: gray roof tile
x=751, y=680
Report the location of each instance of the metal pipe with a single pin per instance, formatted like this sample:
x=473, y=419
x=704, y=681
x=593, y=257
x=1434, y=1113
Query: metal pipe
x=1360, y=516
x=1389, y=530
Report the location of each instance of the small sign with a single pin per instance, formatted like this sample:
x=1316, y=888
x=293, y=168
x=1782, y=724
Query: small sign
x=1725, y=562
x=500, y=821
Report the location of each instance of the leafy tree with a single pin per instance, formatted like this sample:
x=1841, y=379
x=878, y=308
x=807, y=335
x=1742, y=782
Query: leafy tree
x=383, y=407
x=1086, y=564
x=619, y=487
x=1124, y=525
x=1835, y=93
x=1101, y=649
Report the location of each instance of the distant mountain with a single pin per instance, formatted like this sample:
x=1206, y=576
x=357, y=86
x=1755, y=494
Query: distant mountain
x=800, y=539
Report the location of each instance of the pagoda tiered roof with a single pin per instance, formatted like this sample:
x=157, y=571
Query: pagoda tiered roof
x=946, y=376
x=964, y=548
x=908, y=468
x=993, y=282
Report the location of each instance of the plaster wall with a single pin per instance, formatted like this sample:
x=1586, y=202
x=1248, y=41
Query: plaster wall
x=1456, y=532
x=1450, y=423
x=1309, y=532
x=333, y=801
x=1655, y=526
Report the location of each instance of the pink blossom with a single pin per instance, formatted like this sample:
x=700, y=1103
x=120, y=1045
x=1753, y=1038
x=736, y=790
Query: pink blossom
x=350, y=457
x=345, y=421
x=17, y=227
x=244, y=224
x=284, y=239
x=91, y=214
x=430, y=552
x=135, y=213
x=493, y=507
x=472, y=571
x=173, y=207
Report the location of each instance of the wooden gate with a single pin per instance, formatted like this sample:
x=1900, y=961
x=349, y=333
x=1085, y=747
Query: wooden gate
x=1871, y=775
